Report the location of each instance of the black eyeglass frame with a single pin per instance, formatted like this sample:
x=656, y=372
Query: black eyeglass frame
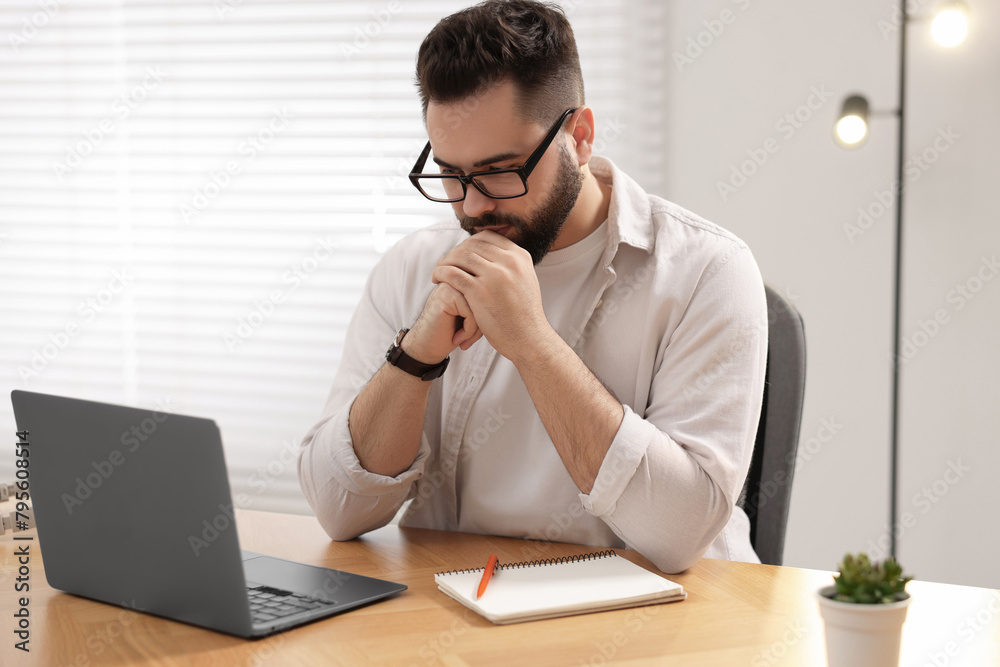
x=470, y=179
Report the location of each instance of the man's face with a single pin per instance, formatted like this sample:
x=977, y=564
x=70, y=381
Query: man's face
x=485, y=132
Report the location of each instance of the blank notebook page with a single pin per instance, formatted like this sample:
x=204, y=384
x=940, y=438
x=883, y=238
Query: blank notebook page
x=529, y=591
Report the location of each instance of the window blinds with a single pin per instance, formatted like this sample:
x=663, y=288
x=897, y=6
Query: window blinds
x=192, y=193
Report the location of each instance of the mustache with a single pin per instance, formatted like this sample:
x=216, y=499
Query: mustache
x=489, y=219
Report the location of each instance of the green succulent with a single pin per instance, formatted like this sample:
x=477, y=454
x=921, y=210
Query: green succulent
x=861, y=582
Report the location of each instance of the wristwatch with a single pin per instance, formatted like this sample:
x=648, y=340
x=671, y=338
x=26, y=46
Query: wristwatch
x=403, y=361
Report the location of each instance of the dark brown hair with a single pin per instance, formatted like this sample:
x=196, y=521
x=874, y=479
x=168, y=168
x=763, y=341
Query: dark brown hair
x=528, y=43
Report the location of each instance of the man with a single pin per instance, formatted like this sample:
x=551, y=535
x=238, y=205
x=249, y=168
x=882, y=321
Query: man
x=574, y=360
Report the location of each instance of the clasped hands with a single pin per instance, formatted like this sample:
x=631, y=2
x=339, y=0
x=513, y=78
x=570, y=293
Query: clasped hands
x=486, y=286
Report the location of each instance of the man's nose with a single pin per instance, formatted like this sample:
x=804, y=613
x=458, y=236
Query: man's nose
x=476, y=203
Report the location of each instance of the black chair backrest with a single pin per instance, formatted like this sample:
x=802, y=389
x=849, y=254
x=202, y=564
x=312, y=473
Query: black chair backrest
x=768, y=490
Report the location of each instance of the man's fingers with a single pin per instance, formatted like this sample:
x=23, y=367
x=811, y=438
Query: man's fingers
x=484, y=246
x=471, y=257
x=469, y=332
x=488, y=236
x=454, y=277
x=464, y=338
x=466, y=344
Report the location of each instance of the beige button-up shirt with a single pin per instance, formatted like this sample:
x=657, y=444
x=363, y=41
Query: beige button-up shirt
x=674, y=324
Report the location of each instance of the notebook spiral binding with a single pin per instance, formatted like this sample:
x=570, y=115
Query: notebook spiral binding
x=607, y=553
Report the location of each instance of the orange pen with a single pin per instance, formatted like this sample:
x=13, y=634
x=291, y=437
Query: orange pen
x=487, y=573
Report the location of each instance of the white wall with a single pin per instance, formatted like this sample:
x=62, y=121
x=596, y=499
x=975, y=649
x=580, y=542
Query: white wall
x=763, y=61
x=952, y=383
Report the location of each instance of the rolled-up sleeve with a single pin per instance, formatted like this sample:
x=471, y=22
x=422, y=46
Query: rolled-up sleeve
x=348, y=499
x=670, y=479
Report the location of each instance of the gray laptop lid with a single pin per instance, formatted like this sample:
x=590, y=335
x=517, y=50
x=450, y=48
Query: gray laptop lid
x=120, y=497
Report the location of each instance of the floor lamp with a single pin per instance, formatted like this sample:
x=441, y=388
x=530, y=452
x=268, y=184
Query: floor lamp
x=949, y=28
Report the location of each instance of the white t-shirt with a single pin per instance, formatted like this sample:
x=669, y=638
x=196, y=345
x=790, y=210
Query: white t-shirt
x=504, y=431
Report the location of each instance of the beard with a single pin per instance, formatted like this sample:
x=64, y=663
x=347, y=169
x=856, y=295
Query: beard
x=538, y=234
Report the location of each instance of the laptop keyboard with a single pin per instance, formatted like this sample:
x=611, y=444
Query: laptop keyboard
x=268, y=604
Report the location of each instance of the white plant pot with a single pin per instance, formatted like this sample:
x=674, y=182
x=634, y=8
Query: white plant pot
x=861, y=635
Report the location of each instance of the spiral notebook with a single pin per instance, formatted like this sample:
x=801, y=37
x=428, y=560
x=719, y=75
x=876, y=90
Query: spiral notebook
x=559, y=587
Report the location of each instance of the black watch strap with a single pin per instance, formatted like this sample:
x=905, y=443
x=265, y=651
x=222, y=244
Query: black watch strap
x=403, y=361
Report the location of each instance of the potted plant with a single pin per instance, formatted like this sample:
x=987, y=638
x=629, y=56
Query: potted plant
x=863, y=612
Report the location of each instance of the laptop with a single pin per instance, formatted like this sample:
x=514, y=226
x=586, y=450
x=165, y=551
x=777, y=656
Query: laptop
x=133, y=508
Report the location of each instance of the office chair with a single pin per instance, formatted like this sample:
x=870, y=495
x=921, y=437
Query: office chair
x=768, y=489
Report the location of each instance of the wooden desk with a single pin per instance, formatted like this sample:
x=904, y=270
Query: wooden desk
x=736, y=614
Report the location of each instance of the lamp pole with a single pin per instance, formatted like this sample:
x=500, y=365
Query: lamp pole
x=898, y=291
x=949, y=29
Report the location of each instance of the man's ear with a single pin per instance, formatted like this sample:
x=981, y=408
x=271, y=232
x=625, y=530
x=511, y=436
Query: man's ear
x=582, y=131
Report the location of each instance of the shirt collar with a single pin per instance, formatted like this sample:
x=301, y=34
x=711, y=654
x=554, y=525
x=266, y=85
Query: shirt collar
x=629, y=214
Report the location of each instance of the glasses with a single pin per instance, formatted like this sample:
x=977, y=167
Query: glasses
x=496, y=183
